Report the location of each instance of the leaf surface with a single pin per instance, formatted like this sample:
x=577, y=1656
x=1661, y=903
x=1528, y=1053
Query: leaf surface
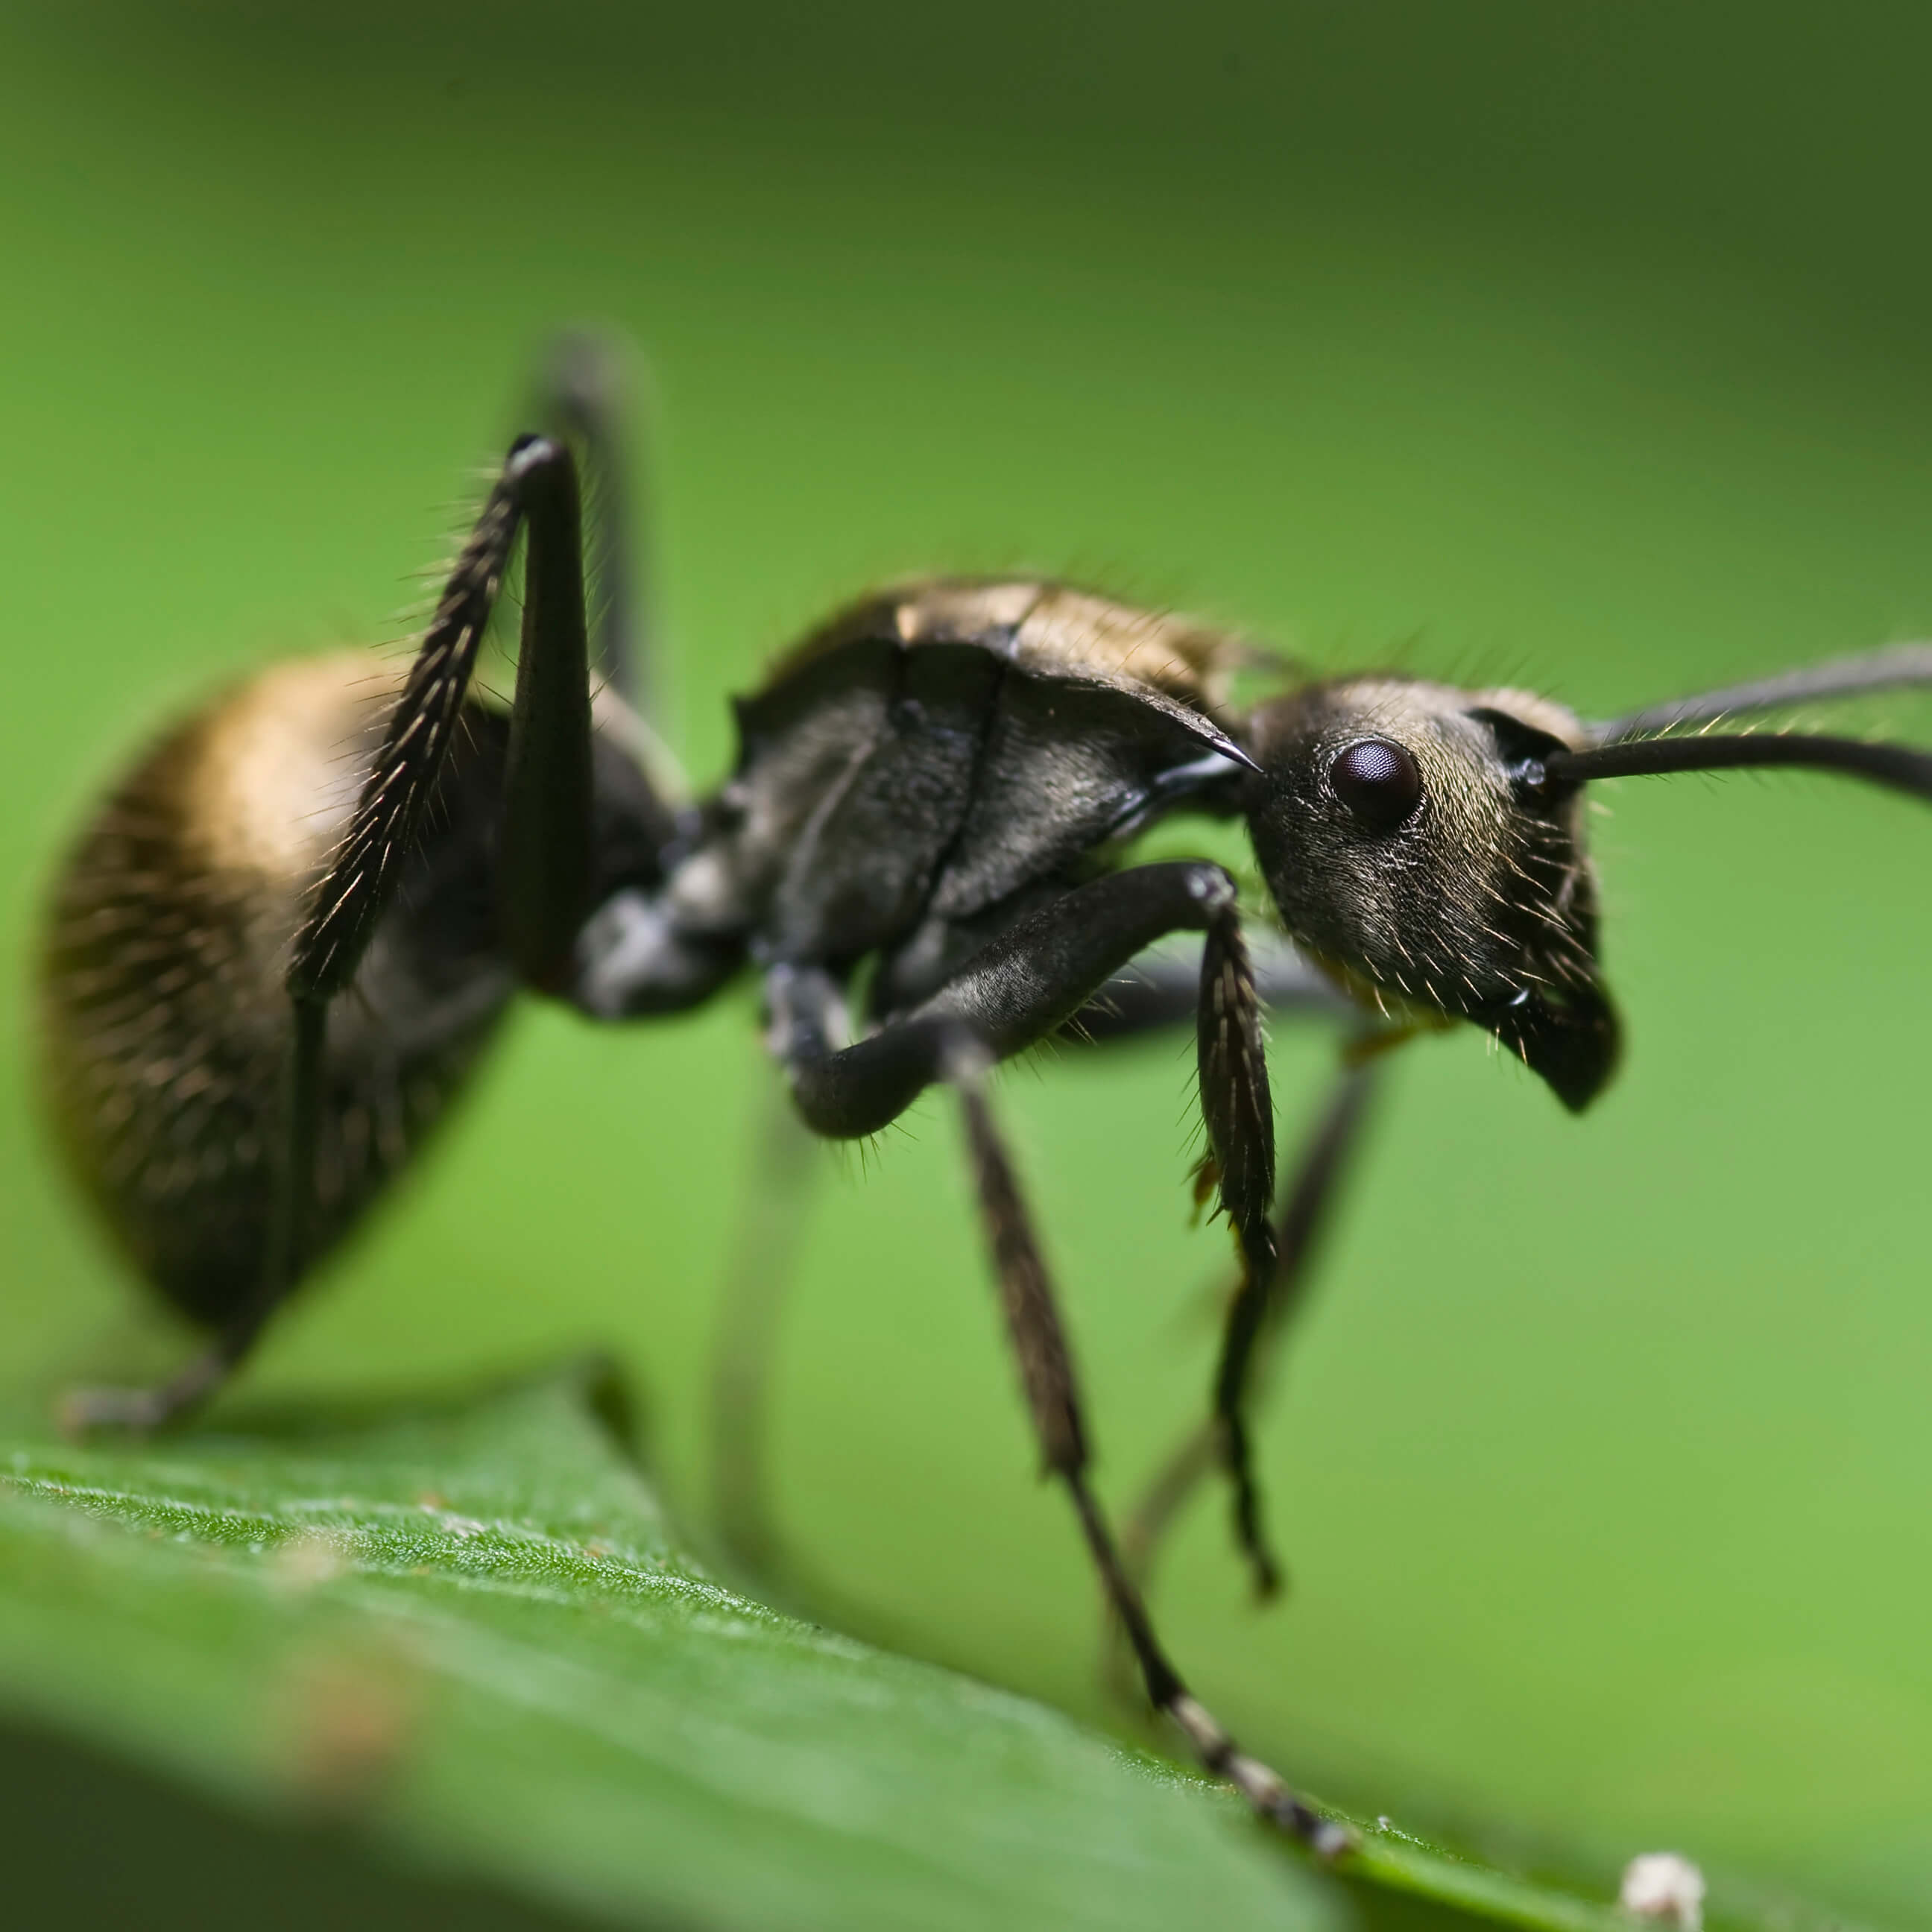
x=467, y=1629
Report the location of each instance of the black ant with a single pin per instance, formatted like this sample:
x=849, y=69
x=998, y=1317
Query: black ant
x=281, y=945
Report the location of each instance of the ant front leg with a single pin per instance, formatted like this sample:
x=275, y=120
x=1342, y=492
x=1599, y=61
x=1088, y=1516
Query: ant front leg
x=1161, y=989
x=1234, y=1104
x=1023, y=985
x=1159, y=992
x=543, y=870
x=1304, y=1216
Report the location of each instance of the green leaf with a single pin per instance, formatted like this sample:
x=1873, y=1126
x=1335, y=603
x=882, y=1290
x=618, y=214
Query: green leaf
x=465, y=1629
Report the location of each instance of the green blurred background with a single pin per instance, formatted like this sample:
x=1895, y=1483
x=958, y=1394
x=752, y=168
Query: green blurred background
x=1586, y=347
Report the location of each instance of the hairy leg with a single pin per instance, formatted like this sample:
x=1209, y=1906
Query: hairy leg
x=545, y=867
x=1047, y=1376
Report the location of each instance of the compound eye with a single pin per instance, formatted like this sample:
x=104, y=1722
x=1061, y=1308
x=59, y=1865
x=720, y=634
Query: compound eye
x=1379, y=781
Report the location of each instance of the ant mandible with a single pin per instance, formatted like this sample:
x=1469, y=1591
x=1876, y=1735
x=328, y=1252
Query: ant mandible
x=278, y=949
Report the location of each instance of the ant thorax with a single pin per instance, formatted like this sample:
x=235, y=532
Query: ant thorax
x=926, y=761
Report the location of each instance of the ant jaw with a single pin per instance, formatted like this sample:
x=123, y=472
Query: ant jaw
x=1569, y=1036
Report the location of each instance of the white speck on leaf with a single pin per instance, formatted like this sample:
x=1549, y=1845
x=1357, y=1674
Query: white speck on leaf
x=1664, y=1886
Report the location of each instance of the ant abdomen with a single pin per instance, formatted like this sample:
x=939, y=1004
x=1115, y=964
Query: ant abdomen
x=165, y=1023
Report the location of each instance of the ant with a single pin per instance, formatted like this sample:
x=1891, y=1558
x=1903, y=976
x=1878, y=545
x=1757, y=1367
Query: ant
x=279, y=947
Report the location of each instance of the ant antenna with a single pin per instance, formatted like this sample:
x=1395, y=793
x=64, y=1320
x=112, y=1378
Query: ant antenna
x=1889, y=668
x=1637, y=745
x=1901, y=766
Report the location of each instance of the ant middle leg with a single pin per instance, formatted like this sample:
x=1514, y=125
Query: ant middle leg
x=1046, y=1372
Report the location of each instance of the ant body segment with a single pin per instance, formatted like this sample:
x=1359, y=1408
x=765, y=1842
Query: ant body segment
x=270, y=967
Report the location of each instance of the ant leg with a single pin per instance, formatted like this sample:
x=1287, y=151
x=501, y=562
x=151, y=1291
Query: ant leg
x=1046, y=1372
x=1017, y=989
x=1158, y=991
x=1030, y=980
x=764, y=1259
x=584, y=395
x=544, y=865
x=1235, y=1105
x=1303, y=1219
x=148, y=1408
x=1023, y=985
x=1162, y=988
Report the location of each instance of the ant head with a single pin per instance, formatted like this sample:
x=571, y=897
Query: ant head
x=1416, y=846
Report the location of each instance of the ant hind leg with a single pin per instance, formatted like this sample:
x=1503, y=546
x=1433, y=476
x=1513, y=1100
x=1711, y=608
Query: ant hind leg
x=143, y=1409
x=544, y=869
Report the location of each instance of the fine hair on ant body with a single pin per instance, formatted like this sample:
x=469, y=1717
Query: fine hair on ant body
x=279, y=946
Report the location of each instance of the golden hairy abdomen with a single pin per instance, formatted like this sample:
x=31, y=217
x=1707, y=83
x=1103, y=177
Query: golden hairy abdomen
x=164, y=1025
